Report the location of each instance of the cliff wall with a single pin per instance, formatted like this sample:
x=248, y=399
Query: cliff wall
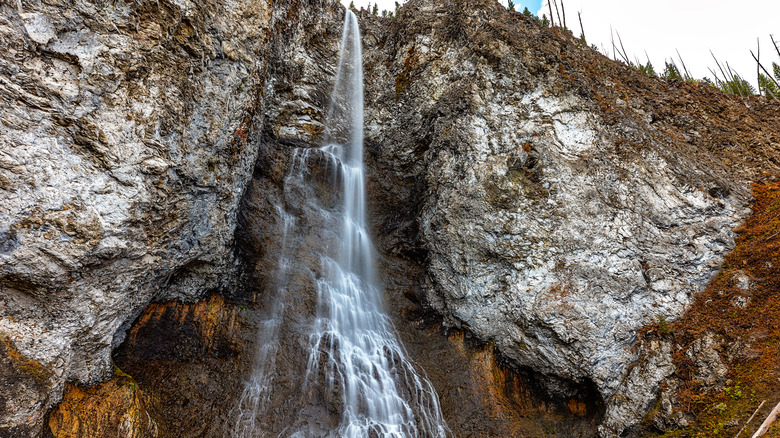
x=544, y=199
x=560, y=202
x=128, y=137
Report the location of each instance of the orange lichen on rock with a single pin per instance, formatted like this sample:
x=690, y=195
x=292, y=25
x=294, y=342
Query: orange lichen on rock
x=114, y=408
x=23, y=364
x=174, y=351
x=206, y=316
x=26, y=379
x=166, y=336
x=500, y=387
x=577, y=407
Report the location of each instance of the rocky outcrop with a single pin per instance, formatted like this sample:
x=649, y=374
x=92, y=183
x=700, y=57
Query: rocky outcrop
x=112, y=408
x=725, y=345
x=560, y=201
x=127, y=140
x=190, y=361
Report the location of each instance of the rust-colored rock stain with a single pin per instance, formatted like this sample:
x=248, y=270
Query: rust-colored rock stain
x=114, y=408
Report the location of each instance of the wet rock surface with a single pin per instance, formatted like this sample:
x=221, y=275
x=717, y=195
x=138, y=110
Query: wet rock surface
x=481, y=394
x=474, y=401
x=190, y=361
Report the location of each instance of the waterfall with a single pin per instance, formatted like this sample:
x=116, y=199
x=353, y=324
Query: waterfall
x=330, y=363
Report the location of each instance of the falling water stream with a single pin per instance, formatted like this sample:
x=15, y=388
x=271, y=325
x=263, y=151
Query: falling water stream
x=330, y=363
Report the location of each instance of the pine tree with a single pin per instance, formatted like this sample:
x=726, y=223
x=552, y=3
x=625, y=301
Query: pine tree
x=511, y=5
x=351, y=6
x=397, y=7
x=771, y=91
x=527, y=13
x=375, y=11
x=672, y=72
x=738, y=86
x=647, y=68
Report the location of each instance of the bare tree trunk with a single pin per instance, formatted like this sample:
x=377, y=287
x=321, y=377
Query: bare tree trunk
x=685, y=69
x=614, y=47
x=560, y=22
x=769, y=76
x=582, y=29
x=625, y=54
x=758, y=64
x=563, y=10
x=768, y=422
x=728, y=77
x=750, y=419
x=552, y=22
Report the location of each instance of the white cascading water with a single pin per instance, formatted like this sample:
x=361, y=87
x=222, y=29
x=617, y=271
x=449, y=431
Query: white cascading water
x=356, y=371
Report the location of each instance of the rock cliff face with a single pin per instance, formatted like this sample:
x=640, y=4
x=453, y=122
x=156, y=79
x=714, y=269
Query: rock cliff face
x=127, y=142
x=552, y=201
x=561, y=201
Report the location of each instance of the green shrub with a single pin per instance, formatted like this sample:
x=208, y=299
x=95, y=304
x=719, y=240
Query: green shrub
x=672, y=72
x=737, y=85
x=647, y=69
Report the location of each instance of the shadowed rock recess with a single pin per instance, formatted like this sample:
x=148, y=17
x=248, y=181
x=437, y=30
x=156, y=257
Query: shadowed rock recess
x=523, y=189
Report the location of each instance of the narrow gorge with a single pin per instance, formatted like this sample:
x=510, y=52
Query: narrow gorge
x=282, y=218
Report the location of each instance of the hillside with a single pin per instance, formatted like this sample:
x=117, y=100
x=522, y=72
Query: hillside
x=568, y=246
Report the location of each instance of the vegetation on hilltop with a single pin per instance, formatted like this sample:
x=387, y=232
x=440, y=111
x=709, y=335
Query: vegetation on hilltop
x=724, y=77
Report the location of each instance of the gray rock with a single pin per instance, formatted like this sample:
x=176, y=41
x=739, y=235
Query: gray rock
x=129, y=132
x=742, y=280
x=551, y=226
x=710, y=370
x=667, y=417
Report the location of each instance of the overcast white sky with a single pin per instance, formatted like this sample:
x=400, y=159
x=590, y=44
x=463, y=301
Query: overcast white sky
x=661, y=27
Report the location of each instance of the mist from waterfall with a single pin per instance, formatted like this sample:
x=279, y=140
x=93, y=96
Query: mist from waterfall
x=330, y=362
